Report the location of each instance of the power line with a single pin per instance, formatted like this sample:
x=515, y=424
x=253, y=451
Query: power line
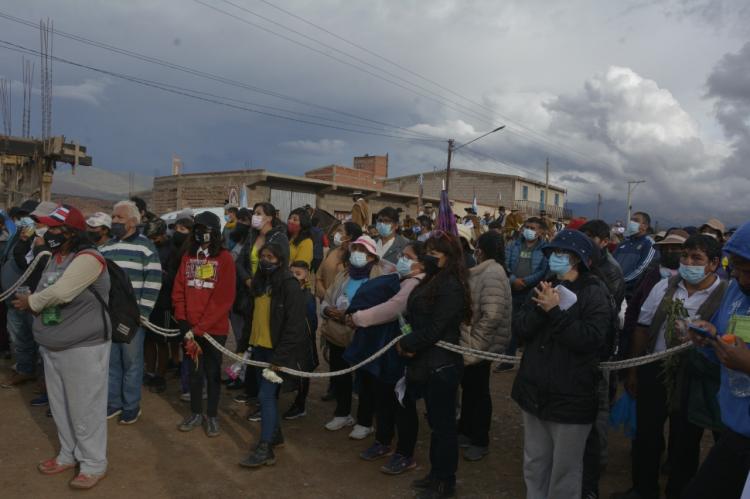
x=202, y=96
x=203, y=74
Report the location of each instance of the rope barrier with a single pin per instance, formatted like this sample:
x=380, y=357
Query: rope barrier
x=25, y=276
x=495, y=357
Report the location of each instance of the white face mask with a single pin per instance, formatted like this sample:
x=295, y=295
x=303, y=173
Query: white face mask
x=337, y=239
x=257, y=222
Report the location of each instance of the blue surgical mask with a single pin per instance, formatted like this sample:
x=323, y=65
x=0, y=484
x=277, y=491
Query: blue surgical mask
x=403, y=266
x=529, y=234
x=416, y=229
x=692, y=274
x=633, y=228
x=384, y=229
x=559, y=264
x=358, y=259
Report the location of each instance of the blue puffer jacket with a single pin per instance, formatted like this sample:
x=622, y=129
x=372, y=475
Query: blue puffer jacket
x=539, y=264
x=368, y=340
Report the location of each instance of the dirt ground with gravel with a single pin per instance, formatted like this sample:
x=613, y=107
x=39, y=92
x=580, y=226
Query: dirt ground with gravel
x=152, y=459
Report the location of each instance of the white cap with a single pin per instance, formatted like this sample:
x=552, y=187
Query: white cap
x=98, y=219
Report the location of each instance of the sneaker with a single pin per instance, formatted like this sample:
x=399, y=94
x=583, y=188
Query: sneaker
x=84, y=481
x=475, y=452
x=185, y=397
x=158, y=385
x=463, y=441
x=438, y=490
x=17, y=379
x=590, y=495
x=375, y=451
x=254, y=416
x=130, y=417
x=52, y=467
x=261, y=456
x=294, y=412
x=243, y=398
x=148, y=379
x=112, y=412
x=503, y=367
x=40, y=401
x=398, y=464
x=212, y=427
x=360, y=432
x=339, y=422
x=190, y=422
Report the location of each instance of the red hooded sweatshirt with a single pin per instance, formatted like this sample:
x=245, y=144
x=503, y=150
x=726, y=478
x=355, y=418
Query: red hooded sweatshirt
x=204, y=291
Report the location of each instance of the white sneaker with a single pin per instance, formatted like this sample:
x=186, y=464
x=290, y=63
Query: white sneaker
x=361, y=432
x=339, y=422
x=185, y=397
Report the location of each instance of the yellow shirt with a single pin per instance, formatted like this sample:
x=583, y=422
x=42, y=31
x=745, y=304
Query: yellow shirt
x=254, y=260
x=303, y=252
x=260, y=335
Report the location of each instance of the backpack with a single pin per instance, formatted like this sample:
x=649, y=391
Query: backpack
x=124, y=314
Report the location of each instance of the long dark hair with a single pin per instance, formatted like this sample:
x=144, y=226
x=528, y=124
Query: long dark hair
x=449, y=245
x=493, y=247
x=263, y=283
x=214, y=246
x=304, y=225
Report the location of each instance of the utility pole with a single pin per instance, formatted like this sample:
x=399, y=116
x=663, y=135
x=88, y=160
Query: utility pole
x=632, y=184
x=451, y=142
x=546, y=186
x=598, y=206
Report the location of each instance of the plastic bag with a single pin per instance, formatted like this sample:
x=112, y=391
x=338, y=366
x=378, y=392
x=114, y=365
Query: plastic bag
x=238, y=369
x=623, y=414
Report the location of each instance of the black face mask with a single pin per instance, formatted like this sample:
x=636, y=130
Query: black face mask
x=178, y=239
x=267, y=267
x=118, y=230
x=94, y=236
x=239, y=233
x=430, y=264
x=202, y=237
x=54, y=241
x=670, y=260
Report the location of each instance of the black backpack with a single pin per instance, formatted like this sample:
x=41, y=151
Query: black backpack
x=124, y=314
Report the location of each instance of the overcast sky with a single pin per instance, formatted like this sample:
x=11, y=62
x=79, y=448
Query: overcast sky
x=608, y=90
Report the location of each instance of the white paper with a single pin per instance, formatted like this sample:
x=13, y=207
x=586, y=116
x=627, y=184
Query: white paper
x=400, y=390
x=567, y=297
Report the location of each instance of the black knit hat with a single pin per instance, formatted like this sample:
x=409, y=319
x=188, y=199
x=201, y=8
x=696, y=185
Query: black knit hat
x=574, y=241
x=208, y=219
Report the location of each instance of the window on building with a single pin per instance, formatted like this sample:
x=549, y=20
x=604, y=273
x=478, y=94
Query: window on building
x=525, y=192
x=557, y=199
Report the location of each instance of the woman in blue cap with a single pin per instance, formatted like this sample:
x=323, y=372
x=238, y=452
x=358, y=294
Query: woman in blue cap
x=562, y=325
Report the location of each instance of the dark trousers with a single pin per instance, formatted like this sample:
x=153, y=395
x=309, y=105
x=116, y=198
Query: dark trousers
x=595, y=453
x=367, y=398
x=439, y=393
x=476, y=404
x=209, y=366
x=518, y=301
x=342, y=385
x=648, y=445
x=684, y=453
x=304, y=389
x=392, y=417
x=722, y=475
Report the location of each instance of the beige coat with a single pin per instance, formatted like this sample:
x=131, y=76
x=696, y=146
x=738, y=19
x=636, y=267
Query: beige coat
x=361, y=213
x=491, y=306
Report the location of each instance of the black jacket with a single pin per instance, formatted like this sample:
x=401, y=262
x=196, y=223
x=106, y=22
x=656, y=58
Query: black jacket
x=611, y=273
x=558, y=377
x=276, y=235
x=432, y=320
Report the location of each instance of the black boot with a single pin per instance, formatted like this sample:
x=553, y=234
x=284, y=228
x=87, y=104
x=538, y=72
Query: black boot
x=438, y=490
x=262, y=455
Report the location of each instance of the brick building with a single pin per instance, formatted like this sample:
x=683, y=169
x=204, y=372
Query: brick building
x=366, y=171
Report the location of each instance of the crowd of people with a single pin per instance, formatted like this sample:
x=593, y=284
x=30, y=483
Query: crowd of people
x=567, y=296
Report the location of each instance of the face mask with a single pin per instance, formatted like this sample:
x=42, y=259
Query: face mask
x=337, y=239
x=292, y=227
x=94, y=236
x=403, y=266
x=358, y=259
x=239, y=233
x=416, y=229
x=118, y=230
x=530, y=235
x=226, y=218
x=670, y=260
x=54, y=241
x=178, y=238
x=267, y=267
x=692, y=274
x=431, y=264
x=633, y=228
x=258, y=222
x=202, y=237
x=384, y=229
x=559, y=264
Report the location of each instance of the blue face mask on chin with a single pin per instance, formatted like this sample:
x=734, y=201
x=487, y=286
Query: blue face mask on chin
x=559, y=264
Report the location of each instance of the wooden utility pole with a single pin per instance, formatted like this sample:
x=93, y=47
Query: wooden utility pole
x=598, y=206
x=546, y=186
x=451, y=142
x=632, y=184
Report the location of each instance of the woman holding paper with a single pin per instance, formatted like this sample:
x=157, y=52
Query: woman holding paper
x=563, y=325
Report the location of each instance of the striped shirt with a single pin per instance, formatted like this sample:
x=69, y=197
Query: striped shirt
x=137, y=256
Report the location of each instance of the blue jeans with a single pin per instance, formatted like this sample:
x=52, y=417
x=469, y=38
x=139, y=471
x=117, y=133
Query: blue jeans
x=126, y=374
x=268, y=394
x=19, y=326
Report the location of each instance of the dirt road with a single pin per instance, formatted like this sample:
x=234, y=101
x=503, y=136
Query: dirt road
x=151, y=459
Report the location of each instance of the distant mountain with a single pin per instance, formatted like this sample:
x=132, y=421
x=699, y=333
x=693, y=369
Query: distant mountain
x=92, y=182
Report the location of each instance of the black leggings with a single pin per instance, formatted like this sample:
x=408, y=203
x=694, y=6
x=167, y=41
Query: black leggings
x=209, y=366
x=342, y=385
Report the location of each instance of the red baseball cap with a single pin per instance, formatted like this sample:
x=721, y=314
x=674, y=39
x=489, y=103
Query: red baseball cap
x=64, y=215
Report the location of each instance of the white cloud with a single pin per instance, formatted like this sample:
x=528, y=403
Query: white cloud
x=89, y=91
x=318, y=147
